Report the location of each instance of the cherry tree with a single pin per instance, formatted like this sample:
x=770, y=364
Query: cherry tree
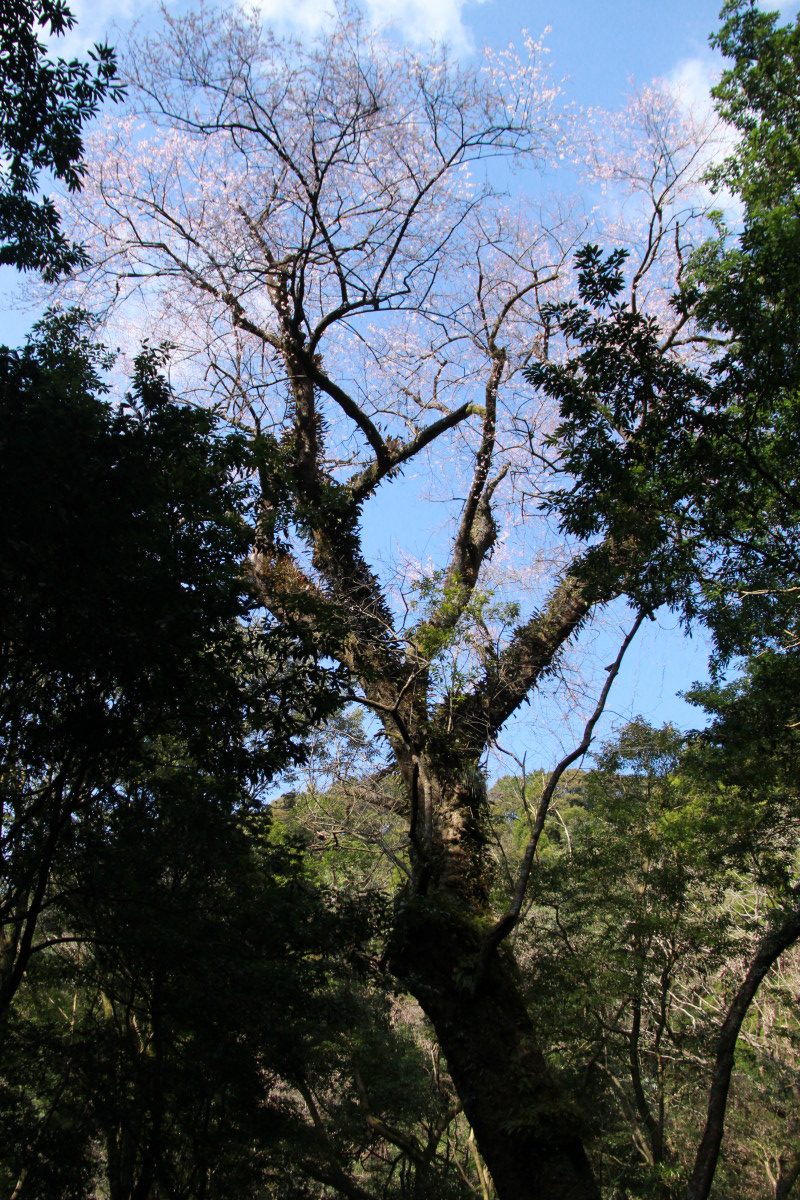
x=354, y=248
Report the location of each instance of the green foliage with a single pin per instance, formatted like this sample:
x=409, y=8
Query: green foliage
x=758, y=95
x=44, y=106
x=747, y=767
x=125, y=611
x=122, y=590
x=630, y=436
x=750, y=290
x=642, y=917
x=189, y=976
x=691, y=474
x=196, y=1005
x=451, y=614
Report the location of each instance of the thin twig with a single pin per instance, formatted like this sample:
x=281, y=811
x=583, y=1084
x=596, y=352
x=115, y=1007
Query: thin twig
x=510, y=918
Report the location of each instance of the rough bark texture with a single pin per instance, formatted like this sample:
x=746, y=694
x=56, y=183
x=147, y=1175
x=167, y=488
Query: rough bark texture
x=440, y=951
x=529, y=1138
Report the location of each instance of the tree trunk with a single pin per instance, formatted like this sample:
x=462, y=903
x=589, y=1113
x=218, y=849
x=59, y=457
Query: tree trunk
x=783, y=934
x=528, y=1137
x=788, y=1176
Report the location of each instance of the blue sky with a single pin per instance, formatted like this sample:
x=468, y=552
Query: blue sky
x=599, y=45
x=599, y=48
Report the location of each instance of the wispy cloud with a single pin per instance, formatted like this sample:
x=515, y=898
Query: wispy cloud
x=422, y=20
x=691, y=81
x=416, y=21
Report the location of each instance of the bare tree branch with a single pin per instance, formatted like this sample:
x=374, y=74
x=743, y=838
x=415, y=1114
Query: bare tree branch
x=509, y=919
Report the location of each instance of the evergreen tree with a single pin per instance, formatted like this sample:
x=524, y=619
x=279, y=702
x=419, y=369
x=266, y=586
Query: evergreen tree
x=44, y=105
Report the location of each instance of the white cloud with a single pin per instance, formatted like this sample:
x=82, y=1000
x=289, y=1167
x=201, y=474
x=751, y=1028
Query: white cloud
x=416, y=21
x=691, y=82
x=308, y=16
x=421, y=21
